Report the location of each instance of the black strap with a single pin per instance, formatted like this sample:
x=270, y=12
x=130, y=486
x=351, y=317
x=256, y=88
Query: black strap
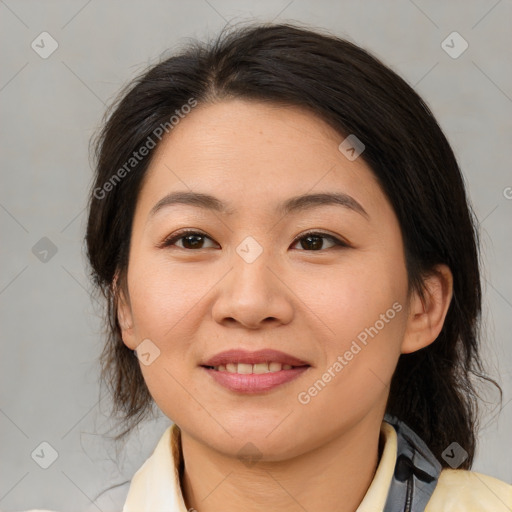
x=416, y=471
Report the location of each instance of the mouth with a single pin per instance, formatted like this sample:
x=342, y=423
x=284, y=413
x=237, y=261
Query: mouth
x=254, y=372
x=257, y=369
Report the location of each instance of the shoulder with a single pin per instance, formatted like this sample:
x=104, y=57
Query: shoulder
x=111, y=499
x=459, y=490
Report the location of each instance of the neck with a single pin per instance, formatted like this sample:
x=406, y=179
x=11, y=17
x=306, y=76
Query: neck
x=334, y=476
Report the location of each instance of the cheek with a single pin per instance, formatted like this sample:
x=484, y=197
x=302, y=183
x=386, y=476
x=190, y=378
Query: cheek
x=163, y=300
x=360, y=357
x=355, y=297
x=364, y=307
x=162, y=295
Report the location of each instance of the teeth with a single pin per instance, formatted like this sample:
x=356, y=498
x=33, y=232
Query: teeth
x=260, y=368
x=246, y=369
x=275, y=367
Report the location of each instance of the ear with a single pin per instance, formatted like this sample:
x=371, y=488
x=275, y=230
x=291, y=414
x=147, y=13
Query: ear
x=426, y=317
x=124, y=313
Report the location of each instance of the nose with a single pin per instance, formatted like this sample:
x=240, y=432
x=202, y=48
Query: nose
x=253, y=295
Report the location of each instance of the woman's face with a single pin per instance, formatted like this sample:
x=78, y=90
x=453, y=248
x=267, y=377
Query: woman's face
x=253, y=280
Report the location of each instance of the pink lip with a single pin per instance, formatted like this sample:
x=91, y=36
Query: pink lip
x=260, y=356
x=255, y=382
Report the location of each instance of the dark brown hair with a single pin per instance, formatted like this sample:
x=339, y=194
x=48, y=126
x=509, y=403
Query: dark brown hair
x=432, y=390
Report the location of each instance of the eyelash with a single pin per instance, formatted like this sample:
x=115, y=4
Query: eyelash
x=186, y=232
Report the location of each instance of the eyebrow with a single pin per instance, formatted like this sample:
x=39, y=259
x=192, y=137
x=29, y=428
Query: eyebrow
x=292, y=205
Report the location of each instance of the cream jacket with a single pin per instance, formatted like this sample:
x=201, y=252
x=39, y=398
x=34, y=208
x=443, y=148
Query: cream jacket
x=155, y=487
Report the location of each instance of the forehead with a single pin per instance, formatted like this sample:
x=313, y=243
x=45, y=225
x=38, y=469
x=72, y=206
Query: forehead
x=255, y=155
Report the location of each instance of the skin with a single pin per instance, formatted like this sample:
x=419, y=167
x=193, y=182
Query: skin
x=193, y=303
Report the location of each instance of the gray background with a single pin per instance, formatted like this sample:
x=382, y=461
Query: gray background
x=51, y=331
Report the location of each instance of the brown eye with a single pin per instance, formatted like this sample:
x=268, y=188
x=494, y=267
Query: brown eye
x=313, y=241
x=191, y=240
x=194, y=240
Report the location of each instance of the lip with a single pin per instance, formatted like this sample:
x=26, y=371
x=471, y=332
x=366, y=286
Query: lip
x=260, y=356
x=255, y=382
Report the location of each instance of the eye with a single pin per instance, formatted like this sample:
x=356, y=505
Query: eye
x=195, y=240
x=191, y=239
x=313, y=240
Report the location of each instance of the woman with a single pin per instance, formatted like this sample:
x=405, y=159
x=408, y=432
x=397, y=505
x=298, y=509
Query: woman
x=282, y=232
